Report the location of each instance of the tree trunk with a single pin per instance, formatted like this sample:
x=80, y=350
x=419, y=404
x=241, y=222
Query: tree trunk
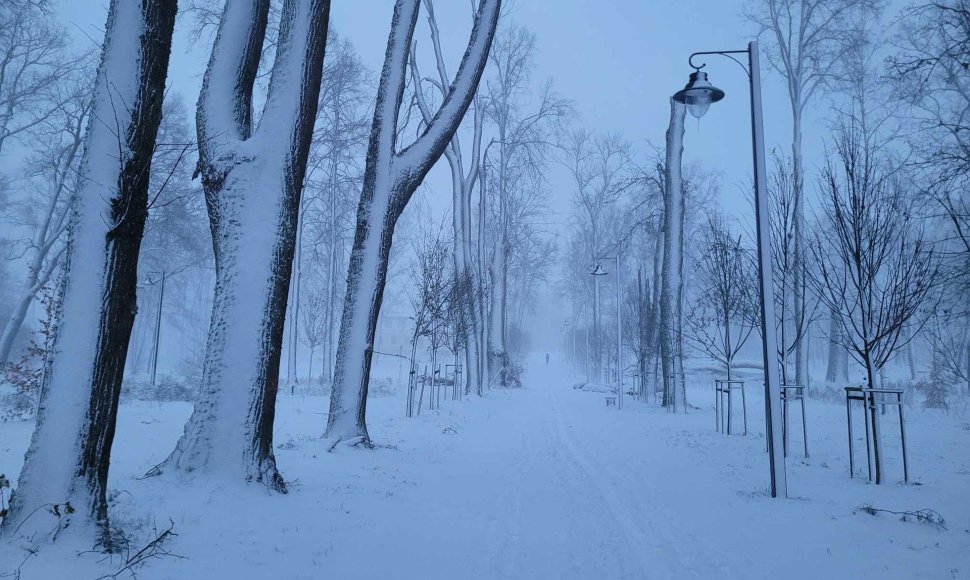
x=798, y=276
x=390, y=179
x=69, y=455
x=836, y=372
x=654, y=322
x=497, y=348
x=253, y=183
x=16, y=320
x=672, y=288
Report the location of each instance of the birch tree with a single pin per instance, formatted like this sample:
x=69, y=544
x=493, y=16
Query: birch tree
x=65, y=469
x=252, y=178
x=391, y=177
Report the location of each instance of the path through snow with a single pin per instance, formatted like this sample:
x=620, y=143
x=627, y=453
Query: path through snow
x=541, y=482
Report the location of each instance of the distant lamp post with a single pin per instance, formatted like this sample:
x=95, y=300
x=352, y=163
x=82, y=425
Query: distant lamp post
x=698, y=96
x=598, y=270
x=151, y=281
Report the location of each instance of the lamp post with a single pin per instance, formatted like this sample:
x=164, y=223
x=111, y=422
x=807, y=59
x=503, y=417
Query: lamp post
x=698, y=96
x=599, y=271
x=158, y=321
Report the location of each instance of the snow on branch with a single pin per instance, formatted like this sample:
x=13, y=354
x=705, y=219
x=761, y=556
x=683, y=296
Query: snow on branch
x=418, y=157
x=231, y=73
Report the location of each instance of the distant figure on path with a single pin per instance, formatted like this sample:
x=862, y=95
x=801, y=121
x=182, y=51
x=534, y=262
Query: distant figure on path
x=547, y=359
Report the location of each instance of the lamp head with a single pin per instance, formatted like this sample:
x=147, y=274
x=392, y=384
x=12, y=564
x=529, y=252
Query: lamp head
x=698, y=94
x=598, y=270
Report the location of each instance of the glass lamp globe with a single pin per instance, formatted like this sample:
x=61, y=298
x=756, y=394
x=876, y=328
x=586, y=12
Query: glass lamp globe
x=698, y=94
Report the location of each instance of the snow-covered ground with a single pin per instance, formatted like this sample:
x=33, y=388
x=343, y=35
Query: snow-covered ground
x=542, y=482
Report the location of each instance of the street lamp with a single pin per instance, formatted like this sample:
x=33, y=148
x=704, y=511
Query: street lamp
x=150, y=281
x=599, y=271
x=596, y=273
x=698, y=96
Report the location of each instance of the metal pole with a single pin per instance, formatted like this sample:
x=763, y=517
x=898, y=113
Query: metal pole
x=158, y=327
x=619, y=339
x=596, y=334
x=779, y=485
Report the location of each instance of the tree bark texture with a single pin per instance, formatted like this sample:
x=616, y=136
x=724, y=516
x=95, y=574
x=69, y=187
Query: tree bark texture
x=253, y=181
x=390, y=179
x=69, y=455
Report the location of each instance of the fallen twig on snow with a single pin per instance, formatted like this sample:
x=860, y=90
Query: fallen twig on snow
x=925, y=516
x=153, y=549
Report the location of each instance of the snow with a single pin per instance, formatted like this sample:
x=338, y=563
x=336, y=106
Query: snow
x=539, y=482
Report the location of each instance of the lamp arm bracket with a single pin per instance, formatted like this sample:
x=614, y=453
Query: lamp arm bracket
x=727, y=53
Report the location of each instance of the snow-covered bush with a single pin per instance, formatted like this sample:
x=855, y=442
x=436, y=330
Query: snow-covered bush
x=23, y=377
x=166, y=388
x=383, y=387
x=935, y=394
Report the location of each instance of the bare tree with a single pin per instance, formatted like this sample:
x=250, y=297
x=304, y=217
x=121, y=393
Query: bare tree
x=875, y=270
x=513, y=192
x=66, y=465
x=432, y=286
x=598, y=168
x=929, y=75
x=331, y=191
x=176, y=241
x=57, y=149
x=463, y=182
x=792, y=317
x=390, y=179
x=34, y=61
x=314, y=324
x=807, y=38
x=253, y=179
x=726, y=297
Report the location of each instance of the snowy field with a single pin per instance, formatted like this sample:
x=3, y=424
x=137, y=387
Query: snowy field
x=543, y=482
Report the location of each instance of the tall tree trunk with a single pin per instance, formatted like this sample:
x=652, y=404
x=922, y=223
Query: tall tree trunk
x=837, y=368
x=798, y=276
x=332, y=273
x=462, y=185
x=655, y=292
x=390, y=179
x=672, y=287
x=69, y=455
x=252, y=182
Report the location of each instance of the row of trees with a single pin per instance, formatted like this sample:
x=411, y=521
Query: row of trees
x=883, y=262
x=253, y=169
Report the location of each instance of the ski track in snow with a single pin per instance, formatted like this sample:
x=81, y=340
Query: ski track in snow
x=540, y=482
x=632, y=534
x=653, y=544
